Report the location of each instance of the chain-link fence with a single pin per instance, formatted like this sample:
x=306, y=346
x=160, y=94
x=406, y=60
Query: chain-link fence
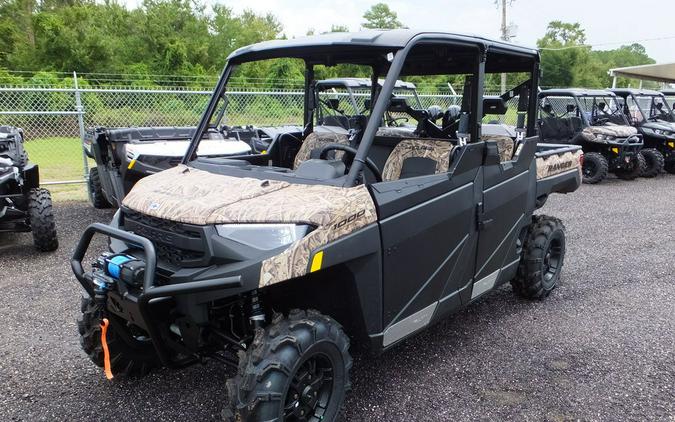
x=54, y=119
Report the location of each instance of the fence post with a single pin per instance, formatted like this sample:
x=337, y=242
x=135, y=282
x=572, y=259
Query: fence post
x=80, y=121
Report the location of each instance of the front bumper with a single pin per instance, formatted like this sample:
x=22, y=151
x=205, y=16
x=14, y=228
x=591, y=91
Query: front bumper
x=136, y=306
x=626, y=150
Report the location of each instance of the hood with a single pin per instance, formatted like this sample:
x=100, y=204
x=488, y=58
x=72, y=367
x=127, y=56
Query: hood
x=659, y=125
x=592, y=133
x=195, y=196
x=176, y=149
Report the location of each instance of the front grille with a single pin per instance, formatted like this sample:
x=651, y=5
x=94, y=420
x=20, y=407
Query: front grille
x=175, y=243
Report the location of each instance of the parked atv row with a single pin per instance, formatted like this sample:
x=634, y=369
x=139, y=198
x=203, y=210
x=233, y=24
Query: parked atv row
x=24, y=206
x=592, y=119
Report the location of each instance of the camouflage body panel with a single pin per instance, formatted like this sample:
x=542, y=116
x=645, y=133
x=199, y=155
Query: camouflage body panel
x=439, y=151
x=195, y=196
x=559, y=163
x=341, y=211
x=505, y=146
x=396, y=132
x=320, y=137
x=610, y=129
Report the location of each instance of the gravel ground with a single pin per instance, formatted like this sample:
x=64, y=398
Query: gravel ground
x=600, y=348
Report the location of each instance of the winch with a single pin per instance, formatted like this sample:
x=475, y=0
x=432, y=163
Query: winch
x=122, y=267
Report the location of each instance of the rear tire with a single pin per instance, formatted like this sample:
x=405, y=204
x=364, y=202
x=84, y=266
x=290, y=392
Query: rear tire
x=297, y=368
x=129, y=356
x=542, y=258
x=637, y=167
x=96, y=195
x=595, y=168
x=41, y=219
x=654, y=162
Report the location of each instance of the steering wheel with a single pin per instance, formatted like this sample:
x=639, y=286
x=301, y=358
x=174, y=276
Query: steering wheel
x=351, y=151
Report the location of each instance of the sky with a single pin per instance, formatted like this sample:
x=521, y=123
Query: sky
x=607, y=22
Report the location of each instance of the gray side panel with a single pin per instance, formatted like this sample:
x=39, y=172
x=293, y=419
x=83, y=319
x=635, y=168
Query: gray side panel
x=409, y=325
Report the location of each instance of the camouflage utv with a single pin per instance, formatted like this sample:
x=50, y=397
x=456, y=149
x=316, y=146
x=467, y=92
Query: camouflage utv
x=594, y=120
x=276, y=263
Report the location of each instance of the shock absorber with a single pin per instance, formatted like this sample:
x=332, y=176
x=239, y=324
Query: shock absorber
x=257, y=317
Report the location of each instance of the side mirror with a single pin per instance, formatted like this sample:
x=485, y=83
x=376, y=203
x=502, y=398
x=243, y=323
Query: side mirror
x=659, y=106
x=571, y=108
x=494, y=105
x=398, y=105
x=602, y=106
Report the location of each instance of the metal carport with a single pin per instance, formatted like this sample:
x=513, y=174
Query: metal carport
x=664, y=72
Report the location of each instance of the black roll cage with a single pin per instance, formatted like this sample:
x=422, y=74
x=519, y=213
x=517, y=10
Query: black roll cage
x=380, y=104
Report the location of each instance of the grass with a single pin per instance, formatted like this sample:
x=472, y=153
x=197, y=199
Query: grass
x=59, y=159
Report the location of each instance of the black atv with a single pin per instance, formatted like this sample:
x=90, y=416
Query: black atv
x=276, y=263
x=595, y=120
x=650, y=113
x=24, y=206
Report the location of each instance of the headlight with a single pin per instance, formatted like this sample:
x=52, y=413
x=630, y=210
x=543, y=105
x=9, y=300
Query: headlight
x=602, y=137
x=263, y=236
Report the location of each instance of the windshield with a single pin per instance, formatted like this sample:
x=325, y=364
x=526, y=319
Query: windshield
x=653, y=107
x=340, y=100
x=599, y=110
x=594, y=110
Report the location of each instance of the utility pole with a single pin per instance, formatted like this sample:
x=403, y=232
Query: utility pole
x=505, y=37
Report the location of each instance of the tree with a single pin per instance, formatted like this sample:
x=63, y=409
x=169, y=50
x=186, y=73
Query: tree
x=565, y=59
x=380, y=16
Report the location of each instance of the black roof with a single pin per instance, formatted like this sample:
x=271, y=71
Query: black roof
x=367, y=46
x=576, y=92
x=633, y=91
x=668, y=92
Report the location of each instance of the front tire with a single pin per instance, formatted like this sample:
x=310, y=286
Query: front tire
x=296, y=369
x=131, y=354
x=654, y=162
x=41, y=219
x=595, y=168
x=542, y=258
x=638, y=165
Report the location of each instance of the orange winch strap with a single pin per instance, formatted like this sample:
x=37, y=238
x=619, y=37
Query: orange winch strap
x=106, y=352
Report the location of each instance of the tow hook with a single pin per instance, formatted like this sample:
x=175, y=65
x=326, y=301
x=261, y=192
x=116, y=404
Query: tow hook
x=106, y=352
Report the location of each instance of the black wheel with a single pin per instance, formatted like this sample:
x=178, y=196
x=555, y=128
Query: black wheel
x=131, y=351
x=654, y=162
x=595, y=168
x=96, y=195
x=296, y=369
x=670, y=167
x=41, y=219
x=542, y=258
x=637, y=166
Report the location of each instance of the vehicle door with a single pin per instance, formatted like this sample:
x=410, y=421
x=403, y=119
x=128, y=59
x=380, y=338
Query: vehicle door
x=429, y=238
